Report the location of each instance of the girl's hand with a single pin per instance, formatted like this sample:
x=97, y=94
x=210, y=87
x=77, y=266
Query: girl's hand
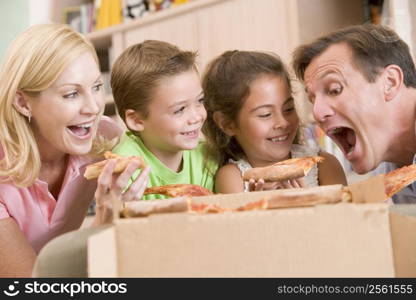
x=111, y=186
x=260, y=185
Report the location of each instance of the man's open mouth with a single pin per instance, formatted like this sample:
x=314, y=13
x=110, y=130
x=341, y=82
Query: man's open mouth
x=344, y=137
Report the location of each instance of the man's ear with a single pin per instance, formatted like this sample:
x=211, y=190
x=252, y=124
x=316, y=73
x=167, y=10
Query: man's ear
x=134, y=120
x=226, y=125
x=22, y=105
x=393, y=81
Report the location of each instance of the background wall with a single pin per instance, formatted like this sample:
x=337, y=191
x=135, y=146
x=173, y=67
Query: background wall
x=14, y=18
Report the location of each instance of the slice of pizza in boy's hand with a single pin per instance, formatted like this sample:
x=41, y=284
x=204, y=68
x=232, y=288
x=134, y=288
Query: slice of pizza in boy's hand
x=284, y=170
x=397, y=179
x=94, y=170
x=177, y=190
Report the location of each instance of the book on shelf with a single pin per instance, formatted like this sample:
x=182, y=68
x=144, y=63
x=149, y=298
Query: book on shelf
x=80, y=18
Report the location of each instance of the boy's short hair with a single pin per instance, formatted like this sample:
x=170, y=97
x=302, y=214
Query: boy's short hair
x=137, y=73
x=373, y=46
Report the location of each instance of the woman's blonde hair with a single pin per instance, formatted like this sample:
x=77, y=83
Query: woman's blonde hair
x=32, y=63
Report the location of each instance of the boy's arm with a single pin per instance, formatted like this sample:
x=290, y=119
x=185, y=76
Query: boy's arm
x=330, y=170
x=228, y=180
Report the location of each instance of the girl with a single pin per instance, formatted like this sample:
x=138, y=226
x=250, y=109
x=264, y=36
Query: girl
x=252, y=122
x=158, y=94
x=51, y=106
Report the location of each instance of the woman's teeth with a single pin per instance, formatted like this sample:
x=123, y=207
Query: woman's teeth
x=81, y=130
x=279, y=138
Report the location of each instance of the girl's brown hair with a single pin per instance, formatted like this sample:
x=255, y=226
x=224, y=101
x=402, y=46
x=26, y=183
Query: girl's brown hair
x=226, y=84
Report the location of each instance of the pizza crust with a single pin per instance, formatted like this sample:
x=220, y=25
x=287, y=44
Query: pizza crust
x=94, y=170
x=284, y=170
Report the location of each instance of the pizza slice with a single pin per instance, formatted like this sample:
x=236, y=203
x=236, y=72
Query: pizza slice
x=143, y=208
x=397, y=179
x=178, y=204
x=304, y=197
x=203, y=208
x=284, y=170
x=94, y=170
x=177, y=190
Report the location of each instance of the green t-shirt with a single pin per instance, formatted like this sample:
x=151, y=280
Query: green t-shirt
x=196, y=169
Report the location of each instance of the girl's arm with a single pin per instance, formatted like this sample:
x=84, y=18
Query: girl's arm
x=228, y=180
x=17, y=256
x=330, y=170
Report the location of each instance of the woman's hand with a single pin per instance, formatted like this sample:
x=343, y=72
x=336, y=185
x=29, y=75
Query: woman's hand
x=111, y=187
x=260, y=185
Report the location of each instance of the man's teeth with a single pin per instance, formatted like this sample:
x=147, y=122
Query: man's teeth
x=279, y=139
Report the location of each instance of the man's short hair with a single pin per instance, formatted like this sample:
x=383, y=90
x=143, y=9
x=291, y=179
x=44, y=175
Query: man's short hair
x=374, y=47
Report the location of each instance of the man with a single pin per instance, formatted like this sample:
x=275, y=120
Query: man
x=361, y=81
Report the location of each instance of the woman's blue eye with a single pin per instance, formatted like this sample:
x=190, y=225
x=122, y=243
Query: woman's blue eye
x=71, y=95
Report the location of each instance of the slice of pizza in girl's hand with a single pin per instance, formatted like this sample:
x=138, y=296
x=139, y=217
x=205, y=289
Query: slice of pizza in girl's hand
x=94, y=170
x=177, y=190
x=284, y=170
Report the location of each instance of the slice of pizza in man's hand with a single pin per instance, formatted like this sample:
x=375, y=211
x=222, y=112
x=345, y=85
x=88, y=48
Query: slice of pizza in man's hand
x=178, y=190
x=284, y=170
x=398, y=179
x=94, y=170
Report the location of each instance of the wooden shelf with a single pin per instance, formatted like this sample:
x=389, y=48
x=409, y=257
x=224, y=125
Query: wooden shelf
x=102, y=39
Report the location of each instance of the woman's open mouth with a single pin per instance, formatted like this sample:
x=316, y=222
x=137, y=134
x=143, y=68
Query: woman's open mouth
x=81, y=131
x=345, y=138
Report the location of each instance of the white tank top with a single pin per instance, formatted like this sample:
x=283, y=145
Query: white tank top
x=297, y=151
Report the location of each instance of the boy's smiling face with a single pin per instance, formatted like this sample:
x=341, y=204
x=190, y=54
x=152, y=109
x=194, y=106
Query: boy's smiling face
x=176, y=114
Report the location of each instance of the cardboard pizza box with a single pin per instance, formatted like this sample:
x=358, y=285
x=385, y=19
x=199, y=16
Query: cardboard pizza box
x=366, y=239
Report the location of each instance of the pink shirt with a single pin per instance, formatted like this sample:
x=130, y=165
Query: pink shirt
x=39, y=215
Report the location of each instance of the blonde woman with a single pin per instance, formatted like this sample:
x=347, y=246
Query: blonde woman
x=51, y=106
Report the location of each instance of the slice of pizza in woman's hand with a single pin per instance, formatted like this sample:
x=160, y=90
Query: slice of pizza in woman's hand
x=397, y=179
x=177, y=190
x=94, y=170
x=284, y=170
